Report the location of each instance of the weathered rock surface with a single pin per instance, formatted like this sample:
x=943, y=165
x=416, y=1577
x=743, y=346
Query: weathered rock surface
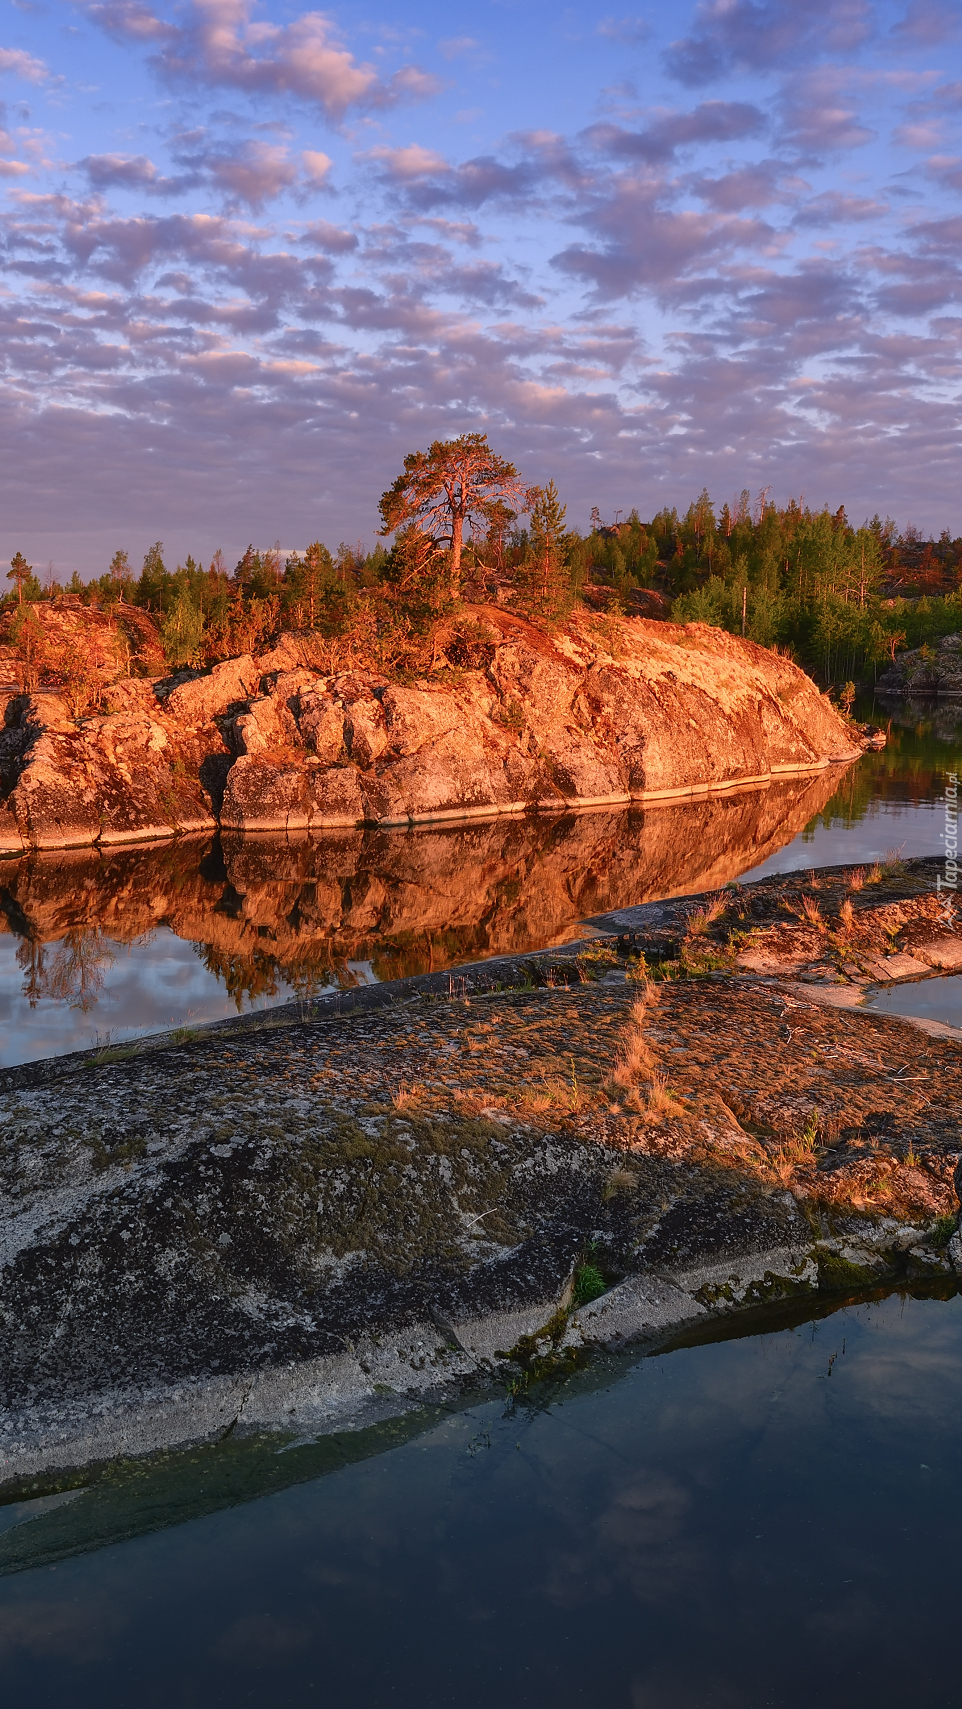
x=603, y=712
x=291, y=1225
x=925, y=670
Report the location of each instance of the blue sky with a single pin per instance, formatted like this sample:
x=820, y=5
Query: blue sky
x=253, y=255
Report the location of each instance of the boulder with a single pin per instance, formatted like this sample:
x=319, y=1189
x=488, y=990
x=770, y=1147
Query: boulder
x=206, y=697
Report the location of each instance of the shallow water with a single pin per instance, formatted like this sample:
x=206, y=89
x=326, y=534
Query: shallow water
x=99, y=947
x=770, y=1521
x=932, y=999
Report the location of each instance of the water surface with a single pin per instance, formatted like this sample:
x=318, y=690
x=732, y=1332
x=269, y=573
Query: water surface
x=101, y=946
x=771, y=1521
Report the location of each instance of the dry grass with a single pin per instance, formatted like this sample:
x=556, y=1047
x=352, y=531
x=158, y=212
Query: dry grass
x=699, y=919
x=856, y=878
x=635, y=1077
x=808, y=910
x=661, y=1099
x=798, y=1149
x=407, y=1097
x=553, y=1093
x=846, y=915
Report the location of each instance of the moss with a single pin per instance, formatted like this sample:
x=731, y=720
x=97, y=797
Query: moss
x=839, y=1273
x=540, y=1357
x=105, y=1154
x=774, y=1287
x=715, y=1295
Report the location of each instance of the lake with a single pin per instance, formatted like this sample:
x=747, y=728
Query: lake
x=768, y=1522
x=101, y=947
x=766, y=1519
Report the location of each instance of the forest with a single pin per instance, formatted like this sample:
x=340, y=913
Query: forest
x=841, y=599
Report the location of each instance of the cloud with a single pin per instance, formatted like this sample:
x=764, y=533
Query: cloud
x=130, y=172
x=13, y=168
x=642, y=245
x=820, y=114
x=766, y=35
x=218, y=45
x=20, y=64
x=329, y=238
x=402, y=165
x=253, y=173
x=462, y=47
x=927, y=23
x=754, y=186
x=711, y=121
x=629, y=31
x=131, y=20
x=316, y=166
x=834, y=208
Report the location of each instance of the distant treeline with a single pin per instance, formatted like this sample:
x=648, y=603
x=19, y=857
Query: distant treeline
x=842, y=600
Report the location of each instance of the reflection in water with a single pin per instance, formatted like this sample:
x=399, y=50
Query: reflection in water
x=263, y=913
x=74, y=972
x=139, y=938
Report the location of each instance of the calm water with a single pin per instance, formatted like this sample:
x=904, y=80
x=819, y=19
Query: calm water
x=103, y=947
x=771, y=1521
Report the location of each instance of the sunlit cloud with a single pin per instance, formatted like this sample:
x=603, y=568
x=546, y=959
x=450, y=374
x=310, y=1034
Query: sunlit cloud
x=218, y=44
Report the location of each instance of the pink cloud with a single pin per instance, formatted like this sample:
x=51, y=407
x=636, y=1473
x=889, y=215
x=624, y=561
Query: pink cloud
x=219, y=45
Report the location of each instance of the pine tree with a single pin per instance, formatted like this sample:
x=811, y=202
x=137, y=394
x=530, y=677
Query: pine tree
x=446, y=488
x=20, y=571
x=544, y=576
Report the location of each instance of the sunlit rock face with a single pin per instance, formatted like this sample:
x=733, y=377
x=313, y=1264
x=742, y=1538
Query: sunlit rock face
x=603, y=712
x=300, y=909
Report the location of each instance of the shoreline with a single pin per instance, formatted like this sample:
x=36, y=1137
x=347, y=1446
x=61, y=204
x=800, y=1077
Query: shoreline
x=160, y=837
x=394, y=1191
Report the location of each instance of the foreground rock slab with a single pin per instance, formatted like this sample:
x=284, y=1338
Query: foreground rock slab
x=304, y=1225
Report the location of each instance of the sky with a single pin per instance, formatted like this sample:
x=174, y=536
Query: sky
x=253, y=255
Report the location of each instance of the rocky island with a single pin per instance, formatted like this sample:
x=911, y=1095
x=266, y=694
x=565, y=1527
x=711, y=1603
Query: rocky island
x=599, y=710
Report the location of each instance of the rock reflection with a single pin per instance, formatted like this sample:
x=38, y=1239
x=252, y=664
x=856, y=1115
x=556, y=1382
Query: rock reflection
x=261, y=911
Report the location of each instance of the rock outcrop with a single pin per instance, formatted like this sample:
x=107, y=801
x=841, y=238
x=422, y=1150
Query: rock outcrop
x=925, y=670
x=349, y=1208
x=604, y=712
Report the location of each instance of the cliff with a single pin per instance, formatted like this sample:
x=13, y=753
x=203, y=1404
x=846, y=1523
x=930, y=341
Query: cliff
x=602, y=712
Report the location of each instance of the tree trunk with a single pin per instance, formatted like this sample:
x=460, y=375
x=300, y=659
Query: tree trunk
x=457, y=541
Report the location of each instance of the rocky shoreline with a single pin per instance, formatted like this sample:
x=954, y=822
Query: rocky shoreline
x=360, y=1204
x=603, y=711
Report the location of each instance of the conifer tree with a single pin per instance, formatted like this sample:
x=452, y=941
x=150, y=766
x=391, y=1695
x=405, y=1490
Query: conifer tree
x=446, y=488
x=20, y=571
x=544, y=575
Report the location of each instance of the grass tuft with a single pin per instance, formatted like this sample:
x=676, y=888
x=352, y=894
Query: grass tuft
x=589, y=1284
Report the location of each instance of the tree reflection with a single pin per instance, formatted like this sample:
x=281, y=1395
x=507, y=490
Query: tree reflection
x=74, y=972
x=251, y=976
